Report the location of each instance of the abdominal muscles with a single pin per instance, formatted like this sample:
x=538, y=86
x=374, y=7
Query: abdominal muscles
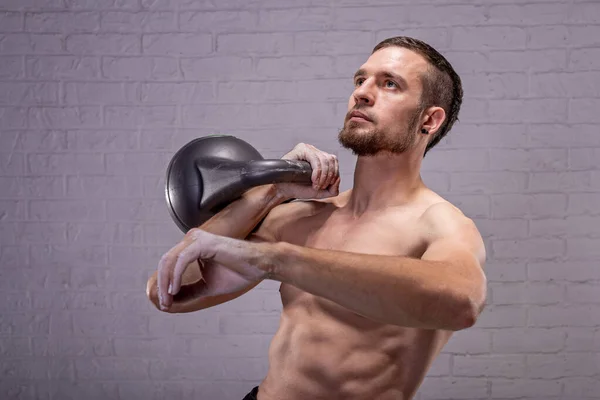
x=323, y=350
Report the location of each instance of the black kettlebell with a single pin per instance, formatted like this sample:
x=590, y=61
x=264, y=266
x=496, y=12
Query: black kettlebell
x=210, y=172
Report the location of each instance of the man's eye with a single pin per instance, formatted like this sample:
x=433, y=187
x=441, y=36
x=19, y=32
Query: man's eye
x=391, y=84
x=359, y=81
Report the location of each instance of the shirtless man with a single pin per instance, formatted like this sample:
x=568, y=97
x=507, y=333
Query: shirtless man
x=373, y=280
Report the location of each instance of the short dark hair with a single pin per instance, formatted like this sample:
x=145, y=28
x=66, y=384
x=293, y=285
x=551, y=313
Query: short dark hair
x=442, y=86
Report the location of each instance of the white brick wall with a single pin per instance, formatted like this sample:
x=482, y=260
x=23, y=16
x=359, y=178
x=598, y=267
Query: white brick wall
x=96, y=96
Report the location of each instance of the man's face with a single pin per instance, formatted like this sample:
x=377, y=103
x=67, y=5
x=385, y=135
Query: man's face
x=387, y=93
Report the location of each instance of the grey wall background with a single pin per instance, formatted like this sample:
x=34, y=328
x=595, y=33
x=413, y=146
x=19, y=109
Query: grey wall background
x=96, y=96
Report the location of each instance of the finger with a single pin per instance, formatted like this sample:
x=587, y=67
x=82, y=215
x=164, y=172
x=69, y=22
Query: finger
x=337, y=168
x=188, y=255
x=331, y=175
x=164, y=279
x=324, y=170
x=315, y=164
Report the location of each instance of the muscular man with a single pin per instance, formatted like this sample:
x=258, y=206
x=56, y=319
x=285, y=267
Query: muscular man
x=373, y=280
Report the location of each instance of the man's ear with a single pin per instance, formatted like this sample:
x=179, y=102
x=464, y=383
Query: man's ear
x=433, y=119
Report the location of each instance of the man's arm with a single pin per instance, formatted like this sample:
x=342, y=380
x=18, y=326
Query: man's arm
x=445, y=289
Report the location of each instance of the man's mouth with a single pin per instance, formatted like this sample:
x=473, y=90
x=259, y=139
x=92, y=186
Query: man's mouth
x=358, y=116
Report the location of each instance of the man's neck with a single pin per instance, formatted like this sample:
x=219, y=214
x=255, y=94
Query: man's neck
x=383, y=181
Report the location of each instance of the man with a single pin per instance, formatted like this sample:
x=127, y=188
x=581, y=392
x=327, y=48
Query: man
x=373, y=280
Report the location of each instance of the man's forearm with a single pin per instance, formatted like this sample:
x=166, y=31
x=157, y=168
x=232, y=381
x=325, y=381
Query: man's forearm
x=394, y=290
x=240, y=217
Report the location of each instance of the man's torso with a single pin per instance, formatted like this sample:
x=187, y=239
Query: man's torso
x=324, y=351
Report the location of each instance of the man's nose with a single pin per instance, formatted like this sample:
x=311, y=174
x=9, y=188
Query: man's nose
x=363, y=94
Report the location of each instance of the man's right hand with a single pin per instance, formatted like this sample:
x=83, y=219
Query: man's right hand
x=325, y=176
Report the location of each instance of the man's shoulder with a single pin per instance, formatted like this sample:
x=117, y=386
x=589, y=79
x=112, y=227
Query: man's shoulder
x=444, y=218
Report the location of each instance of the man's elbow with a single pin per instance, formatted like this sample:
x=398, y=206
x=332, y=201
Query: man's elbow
x=468, y=310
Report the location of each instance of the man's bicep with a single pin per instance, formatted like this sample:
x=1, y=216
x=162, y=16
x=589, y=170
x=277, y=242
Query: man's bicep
x=269, y=229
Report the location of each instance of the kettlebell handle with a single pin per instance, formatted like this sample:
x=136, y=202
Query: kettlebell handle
x=262, y=172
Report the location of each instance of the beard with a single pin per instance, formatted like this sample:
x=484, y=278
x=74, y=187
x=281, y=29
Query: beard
x=363, y=141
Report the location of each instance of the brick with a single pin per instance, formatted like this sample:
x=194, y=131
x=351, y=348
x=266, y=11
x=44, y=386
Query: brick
x=12, y=164
x=103, y=43
x=31, y=4
x=20, y=390
x=469, y=135
x=105, y=233
x=575, y=226
x=108, y=368
x=257, y=92
x=438, y=37
x=502, y=228
x=248, y=369
x=13, y=256
x=230, y=346
x=107, y=187
x=216, y=68
x=550, y=366
x=504, y=85
x=313, y=18
x=474, y=110
x=331, y=43
x=52, y=300
x=23, y=369
x=473, y=341
x=474, y=206
x=262, y=323
x=67, y=210
x=164, y=233
x=582, y=339
x=12, y=210
x=206, y=322
x=135, y=68
x=64, y=117
x=573, y=271
x=571, y=84
x=528, y=159
x=100, y=140
x=487, y=182
x=543, y=60
x=136, y=210
x=505, y=316
x=34, y=140
x=177, y=44
x=582, y=293
x=105, y=5
x=131, y=302
x=584, y=111
x=31, y=187
x=15, y=347
x=13, y=302
x=529, y=14
x=527, y=340
x=584, y=59
x=62, y=67
x=534, y=293
x=84, y=390
x=505, y=366
x=28, y=93
x=583, y=203
x=583, y=248
x=13, y=117
x=30, y=43
x=57, y=22
x=51, y=164
x=92, y=255
x=255, y=43
x=584, y=35
x=11, y=67
x=453, y=388
x=583, y=159
x=488, y=38
x=559, y=181
x=39, y=232
x=550, y=36
x=108, y=323
x=126, y=22
x=92, y=93
x=11, y=21
x=23, y=324
x=455, y=160
x=178, y=93
x=136, y=117
x=137, y=164
x=517, y=388
x=292, y=67
x=528, y=248
x=364, y=18
x=581, y=387
x=526, y=110
x=152, y=347
x=561, y=316
x=227, y=21
x=559, y=135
